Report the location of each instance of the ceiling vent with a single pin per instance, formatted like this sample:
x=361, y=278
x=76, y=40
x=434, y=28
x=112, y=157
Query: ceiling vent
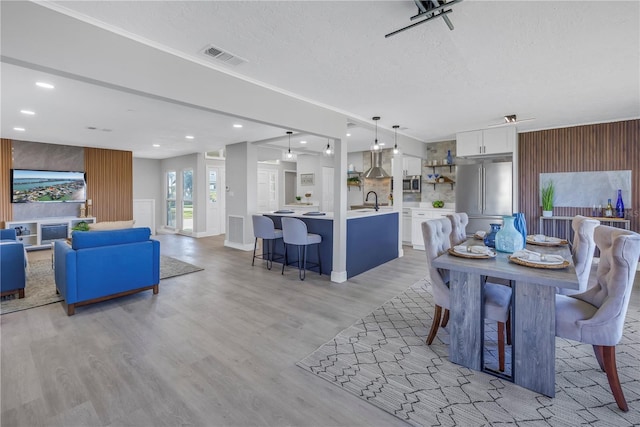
x=223, y=57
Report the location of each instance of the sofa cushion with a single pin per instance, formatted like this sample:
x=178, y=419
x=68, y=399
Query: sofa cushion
x=112, y=225
x=92, y=239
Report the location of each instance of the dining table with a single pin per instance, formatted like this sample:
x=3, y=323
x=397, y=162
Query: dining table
x=533, y=312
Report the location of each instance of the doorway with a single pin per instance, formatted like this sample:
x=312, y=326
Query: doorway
x=290, y=187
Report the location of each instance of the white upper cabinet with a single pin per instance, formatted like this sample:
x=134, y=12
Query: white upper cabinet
x=411, y=166
x=501, y=140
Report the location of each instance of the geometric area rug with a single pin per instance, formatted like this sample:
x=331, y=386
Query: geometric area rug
x=383, y=359
x=41, y=290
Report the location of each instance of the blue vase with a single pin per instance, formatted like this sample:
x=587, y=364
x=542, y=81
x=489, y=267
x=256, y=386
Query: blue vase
x=520, y=224
x=508, y=239
x=490, y=239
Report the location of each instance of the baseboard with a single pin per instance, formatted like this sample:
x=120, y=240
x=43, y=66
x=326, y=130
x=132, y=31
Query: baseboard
x=338, y=276
x=242, y=247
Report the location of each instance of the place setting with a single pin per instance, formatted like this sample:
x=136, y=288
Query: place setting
x=533, y=259
x=542, y=240
x=472, y=251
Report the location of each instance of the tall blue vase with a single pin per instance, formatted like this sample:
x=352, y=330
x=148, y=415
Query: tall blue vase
x=520, y=223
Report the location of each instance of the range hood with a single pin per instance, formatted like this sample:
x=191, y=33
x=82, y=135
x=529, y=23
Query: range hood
x=376, y=170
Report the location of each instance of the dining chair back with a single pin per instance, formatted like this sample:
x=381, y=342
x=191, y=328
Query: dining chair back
x=437, y=240
x=264, y=228
x=582, y=249
x=459, y=222
x=294, y=232
x=597, y=315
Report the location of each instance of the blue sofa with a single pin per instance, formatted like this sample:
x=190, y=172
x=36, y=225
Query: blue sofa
x=99, y=265
x=12, y=264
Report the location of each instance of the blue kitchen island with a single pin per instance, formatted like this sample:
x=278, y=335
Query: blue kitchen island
x=372, y=239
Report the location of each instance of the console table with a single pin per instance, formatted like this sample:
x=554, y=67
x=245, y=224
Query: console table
x=31, y=230
x=565, y=221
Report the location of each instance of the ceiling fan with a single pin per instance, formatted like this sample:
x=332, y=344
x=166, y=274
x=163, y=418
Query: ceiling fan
x=430, y=9
x=511, y=119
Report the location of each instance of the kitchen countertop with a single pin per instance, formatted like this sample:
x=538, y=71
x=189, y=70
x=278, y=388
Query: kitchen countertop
x=358, y=213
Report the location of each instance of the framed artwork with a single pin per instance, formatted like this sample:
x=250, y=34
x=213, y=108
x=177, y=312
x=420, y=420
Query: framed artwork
x=306, y=179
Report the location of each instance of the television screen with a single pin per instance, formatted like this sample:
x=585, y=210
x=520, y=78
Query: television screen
x=29, y=186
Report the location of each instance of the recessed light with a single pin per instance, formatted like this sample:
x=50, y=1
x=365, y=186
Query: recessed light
x=19, y=129
x=45, y=85
x=189, y=136
x=156, y=145
x=348, y=134
x=28, y=112
x=237, y=125
x=303, y=142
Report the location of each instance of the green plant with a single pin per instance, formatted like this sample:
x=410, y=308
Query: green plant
x=81, y=226
x=298, y=198
x=548, y=191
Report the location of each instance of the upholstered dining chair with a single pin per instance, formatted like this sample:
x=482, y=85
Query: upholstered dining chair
x=597, y=316
x=294, y=232
x=459, y=222
x=582, y=249
x=497, y=298
x=263, y=228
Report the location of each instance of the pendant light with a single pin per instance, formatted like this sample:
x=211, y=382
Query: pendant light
x=395, y=137
x=376, y=146
x=289, y=155
x=328, y=150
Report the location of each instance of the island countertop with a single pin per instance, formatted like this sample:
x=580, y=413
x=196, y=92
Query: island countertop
x=357, y=213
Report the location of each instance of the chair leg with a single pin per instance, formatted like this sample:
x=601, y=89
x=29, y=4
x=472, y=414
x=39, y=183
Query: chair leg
x=599, y=356
x=445, y=318
x=269, y=253
x=509, y=329
x=501, y=346
x=302, y=262
x=435, y=325
x=609, y=359
x=255, y=245
x=285, y=258
x=319, y=260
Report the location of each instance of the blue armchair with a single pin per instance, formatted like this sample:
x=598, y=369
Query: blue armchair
x=12, y=264
x=99, y=265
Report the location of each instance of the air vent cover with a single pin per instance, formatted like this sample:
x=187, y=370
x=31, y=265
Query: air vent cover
x=223, y=57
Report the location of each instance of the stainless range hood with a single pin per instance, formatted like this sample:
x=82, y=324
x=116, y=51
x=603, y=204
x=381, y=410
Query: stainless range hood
x=376, y=170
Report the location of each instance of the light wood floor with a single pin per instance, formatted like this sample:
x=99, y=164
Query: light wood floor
x=215, y=348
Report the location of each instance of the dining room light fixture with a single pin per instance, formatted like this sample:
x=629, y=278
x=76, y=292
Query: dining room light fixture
x=289, y=155
x=510, y=118
x=376, y=146
x=395, y=138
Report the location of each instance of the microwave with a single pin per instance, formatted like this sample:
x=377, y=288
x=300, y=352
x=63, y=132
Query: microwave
x=411, y=184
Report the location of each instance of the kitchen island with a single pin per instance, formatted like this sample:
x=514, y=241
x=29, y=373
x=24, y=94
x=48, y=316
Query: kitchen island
x=372, y=238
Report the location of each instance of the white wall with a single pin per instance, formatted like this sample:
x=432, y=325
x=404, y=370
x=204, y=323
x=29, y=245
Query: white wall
x=241, y=173
x=148, y=183
x=312, y=164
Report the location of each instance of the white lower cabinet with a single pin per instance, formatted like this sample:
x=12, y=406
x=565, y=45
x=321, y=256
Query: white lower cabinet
x=418, y=216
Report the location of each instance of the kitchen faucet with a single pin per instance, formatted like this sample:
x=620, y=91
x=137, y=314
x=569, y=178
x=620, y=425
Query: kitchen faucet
x=376, y=207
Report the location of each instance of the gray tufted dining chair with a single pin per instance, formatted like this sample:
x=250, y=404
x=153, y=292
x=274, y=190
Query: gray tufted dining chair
x=582, y=250
x=597, y=316
x=497, y=298
x=459, y=222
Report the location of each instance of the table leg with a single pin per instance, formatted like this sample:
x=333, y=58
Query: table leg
x=534, y=344
x=466, y=325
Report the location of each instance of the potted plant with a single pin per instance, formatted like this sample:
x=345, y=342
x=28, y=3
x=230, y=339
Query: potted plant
x=548, y=192
x=81, y=226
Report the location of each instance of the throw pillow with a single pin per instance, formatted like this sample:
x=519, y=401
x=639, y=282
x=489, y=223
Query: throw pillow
x=112, y=225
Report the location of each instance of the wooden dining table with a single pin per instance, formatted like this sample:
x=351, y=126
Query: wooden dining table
x=532, y=309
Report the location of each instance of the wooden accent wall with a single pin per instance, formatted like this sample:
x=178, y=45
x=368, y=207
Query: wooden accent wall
x=6, y=159
x=109, y=183
x=599, y=147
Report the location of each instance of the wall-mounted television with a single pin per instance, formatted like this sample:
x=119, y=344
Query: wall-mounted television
x=34, y=186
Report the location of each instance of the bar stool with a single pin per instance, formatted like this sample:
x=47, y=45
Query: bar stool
x=294, y=232
x=263, y=228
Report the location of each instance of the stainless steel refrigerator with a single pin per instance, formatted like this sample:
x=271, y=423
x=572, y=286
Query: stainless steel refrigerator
x=484, y=190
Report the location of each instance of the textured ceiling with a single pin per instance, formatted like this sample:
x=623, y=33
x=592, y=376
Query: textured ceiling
x=562, y=63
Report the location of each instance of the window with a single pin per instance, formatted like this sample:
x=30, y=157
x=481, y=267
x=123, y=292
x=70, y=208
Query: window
x=171, y=199
x=187, y=200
